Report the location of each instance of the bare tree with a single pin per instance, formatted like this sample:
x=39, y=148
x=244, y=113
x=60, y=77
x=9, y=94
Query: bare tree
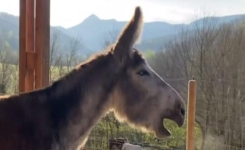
x=63, y=57
x=15, y=77
x=110, y=37
x=56, y=69
x=5, y=70
x=214, y=55
x=72, y=53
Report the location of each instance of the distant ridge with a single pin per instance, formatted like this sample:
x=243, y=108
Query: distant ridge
x=93, y=31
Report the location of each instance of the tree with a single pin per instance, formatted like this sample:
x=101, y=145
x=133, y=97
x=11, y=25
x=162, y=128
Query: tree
x=72, y=53
x=214, y=55
x=63, y=58
x=56, y=68
x=110, y=37
x=5, y=70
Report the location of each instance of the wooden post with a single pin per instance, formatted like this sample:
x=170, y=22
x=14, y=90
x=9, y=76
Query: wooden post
x=30, y=49
x=34, y=44
x=191, y=111
x=42, y=43
x=22, y=46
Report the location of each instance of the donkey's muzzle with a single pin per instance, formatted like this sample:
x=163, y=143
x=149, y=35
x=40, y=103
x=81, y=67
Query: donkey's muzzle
x=177, y=118
x=179, y=113
x=182, y=111
x=180, y=121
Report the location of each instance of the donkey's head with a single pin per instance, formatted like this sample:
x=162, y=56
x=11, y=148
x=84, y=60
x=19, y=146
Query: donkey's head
x=141, y=96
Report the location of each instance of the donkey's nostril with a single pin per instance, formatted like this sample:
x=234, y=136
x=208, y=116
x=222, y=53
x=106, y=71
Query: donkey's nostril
x=182, y=111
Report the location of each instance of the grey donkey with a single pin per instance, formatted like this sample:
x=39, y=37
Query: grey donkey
x=62, y=115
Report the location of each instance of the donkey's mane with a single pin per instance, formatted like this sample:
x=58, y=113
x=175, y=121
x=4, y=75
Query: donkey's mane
x=67, y=81
x=70, y=79
x=84, y=68
x=96, y=60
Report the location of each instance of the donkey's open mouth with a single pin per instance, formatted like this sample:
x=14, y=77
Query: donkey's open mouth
x=161, y=131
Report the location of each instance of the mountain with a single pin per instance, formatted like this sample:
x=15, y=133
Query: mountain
x=93, y=32
x=219, y=20
x=9, y=29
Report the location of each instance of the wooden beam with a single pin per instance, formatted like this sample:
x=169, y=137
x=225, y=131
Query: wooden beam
x=34, y=44
x=42, y=42
x=22, y=46
x=30, y=41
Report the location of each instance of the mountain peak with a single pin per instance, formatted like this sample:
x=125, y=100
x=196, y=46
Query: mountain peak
x=92, y=18
x=5, y=15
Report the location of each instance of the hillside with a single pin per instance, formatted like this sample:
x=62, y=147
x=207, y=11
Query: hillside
x=9, y=31
x=93, y=31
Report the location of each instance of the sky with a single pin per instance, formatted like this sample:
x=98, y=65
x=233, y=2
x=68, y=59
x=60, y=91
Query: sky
x=67, y=13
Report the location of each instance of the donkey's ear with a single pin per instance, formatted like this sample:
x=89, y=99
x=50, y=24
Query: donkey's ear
x=129, y=36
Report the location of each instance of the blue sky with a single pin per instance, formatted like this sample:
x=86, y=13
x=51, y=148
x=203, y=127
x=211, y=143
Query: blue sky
x=68, y=13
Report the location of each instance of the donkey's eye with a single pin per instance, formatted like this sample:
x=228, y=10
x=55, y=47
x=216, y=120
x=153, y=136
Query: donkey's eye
x=143, y=73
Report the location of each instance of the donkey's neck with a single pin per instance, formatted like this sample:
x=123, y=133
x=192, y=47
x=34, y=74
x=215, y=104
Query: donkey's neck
x=80, y=100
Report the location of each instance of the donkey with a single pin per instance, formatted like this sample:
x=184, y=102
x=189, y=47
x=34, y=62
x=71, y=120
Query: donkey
x=62, y=115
